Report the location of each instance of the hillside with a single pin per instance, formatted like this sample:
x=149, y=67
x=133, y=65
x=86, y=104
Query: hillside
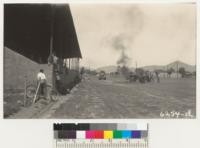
x=153, y=67
x=190, y=68
x=107, y=69
x=174, y=65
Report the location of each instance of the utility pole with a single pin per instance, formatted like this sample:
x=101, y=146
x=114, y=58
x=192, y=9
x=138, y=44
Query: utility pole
x=69, y=64
x=51, y=44
x=177, y=69
x=135, y=65
x=167, y=71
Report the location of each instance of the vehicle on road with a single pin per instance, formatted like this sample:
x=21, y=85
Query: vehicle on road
x=141, y=76
x=102, y=75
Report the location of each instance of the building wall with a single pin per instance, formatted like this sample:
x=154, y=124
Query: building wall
x=18, y=67
x=173, y=75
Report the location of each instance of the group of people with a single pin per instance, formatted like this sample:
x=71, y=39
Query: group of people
x=41, y=77
x=144, y=76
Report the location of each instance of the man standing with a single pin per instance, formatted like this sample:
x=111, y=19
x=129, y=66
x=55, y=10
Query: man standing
x=42, y=82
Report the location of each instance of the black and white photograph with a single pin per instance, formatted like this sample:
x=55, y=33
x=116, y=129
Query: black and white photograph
x=99, y=61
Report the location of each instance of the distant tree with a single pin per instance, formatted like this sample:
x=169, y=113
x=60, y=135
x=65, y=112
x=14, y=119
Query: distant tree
x=125, y=71
x=118, y=69
x=157, y=72
x=170, y=71
x=116, y=73
x=140, y=71
x=182, y=71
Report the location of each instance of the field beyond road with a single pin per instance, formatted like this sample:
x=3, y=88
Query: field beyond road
x=114, y=98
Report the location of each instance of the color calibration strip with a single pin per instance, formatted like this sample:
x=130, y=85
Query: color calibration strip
x=100, y=135
x=99, y=131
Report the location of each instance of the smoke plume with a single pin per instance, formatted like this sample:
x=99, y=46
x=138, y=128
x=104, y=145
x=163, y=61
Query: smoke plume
x=124, y=59
x=122, y=41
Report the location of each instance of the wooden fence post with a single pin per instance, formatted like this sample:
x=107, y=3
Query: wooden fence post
x=25, y=91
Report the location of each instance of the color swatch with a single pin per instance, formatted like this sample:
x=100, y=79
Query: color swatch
x=99, y=131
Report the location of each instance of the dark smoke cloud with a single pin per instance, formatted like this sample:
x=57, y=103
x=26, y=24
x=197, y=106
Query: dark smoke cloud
x=124, y=59
x=119, y=44
x=132, y=22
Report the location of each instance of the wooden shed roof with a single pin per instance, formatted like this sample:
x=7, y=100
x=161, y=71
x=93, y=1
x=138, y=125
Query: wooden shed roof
x=28, y=29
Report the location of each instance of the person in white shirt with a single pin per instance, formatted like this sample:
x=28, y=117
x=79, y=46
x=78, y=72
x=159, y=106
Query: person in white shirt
x=42, y=80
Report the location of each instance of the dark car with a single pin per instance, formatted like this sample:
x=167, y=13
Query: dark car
x=102, y=75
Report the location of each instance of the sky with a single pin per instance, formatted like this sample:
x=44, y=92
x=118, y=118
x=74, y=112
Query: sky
x=149, y=34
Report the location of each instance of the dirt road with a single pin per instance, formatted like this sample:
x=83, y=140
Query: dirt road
x=120, y=99
x=113, y=98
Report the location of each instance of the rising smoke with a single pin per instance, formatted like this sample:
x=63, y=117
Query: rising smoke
x=132, y=22
x=124, y=59
x=119, y=44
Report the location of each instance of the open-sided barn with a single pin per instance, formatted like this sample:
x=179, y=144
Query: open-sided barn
x=32, y=33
